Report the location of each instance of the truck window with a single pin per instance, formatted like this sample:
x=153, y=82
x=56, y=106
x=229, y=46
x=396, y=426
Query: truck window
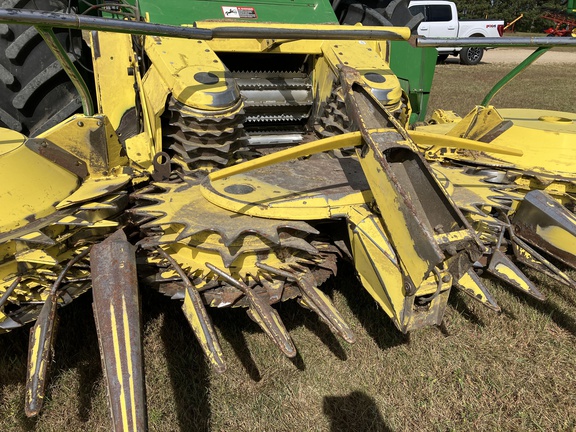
x=438, y=13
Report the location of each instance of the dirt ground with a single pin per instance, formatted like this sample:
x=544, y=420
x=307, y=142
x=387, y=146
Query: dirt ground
x=516, y=55
x=512, y=55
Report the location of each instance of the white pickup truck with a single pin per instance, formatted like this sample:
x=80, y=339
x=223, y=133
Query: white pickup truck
x=441, y=21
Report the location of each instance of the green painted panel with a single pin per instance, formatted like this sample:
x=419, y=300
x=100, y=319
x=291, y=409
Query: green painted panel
x=179, y=12
x=414, y=67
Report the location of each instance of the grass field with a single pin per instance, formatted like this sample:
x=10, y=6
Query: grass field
x=478, y=371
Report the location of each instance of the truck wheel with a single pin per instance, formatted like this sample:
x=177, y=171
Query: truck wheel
x=471, y=56
x=377, y=13
x=35, y=93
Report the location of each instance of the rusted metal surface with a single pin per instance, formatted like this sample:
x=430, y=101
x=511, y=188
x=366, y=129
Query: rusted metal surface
x=423, y=208
x=117, y=314
x=316, y=300
x=161, y=162
x=9, y=292
x=58, y=155
x=543, y=222
x=503, y=268
x=41, y=344
x=198, y=318
x=262, y=313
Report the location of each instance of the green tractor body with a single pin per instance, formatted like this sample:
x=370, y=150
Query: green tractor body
x=232, y=156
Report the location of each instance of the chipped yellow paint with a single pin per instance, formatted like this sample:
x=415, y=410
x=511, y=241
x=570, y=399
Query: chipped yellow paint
x=76, y=135
x=468, y=283
x=527, y=134
x=128, y=347
x=402, y=238
x=35, y=350
x=275, y=202
x=36, y=256
x=434, y=142
x=558, y=237
x=366, y=60
x=119, y=363
x=511, y=275
x=179, y=61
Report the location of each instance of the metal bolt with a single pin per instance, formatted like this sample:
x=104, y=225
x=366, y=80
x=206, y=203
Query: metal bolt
x=99, y=123
x=446, y=278
x=80, y=123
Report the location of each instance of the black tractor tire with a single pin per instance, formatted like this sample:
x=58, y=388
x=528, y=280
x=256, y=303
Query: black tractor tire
x=471, y=56
x=393, y=13
x=35, y=92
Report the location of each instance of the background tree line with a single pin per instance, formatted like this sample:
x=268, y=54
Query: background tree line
x=509, y=10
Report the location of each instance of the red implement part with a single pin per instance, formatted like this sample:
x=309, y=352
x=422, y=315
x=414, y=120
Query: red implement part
x=564, y=25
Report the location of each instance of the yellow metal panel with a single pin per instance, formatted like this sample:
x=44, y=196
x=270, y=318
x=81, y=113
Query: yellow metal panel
x=376, y=262
x=366, y=60
x=179, y=61
x=434, y=142
x=30, y=184
x=403, y=32
x=114, y=69
x=155, y=93
x=313, y=47
x=547, y=140
x=389, y=201
x=90, y=139
x=272, y=201
x=480, y=121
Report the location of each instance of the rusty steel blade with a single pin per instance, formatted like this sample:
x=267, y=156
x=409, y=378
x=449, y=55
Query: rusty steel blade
x=117, y=315
x=316, y=300
x=262, y=313
x=504, y=269
x=41, y=344
x=530, y=257
x=470, y=284
x=9, y=291
x=39, y=356
x=546, y=224
x=198, y=318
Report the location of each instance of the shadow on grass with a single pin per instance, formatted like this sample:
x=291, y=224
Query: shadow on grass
x=13, y=357
x=456, y=301
x=187, y=367
x=552, y=310
x=548, y=307
x=374, y=320
x=354, y=412
x=234, y=323
x=319, y=328
x=75, y=347
x=234, y=334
